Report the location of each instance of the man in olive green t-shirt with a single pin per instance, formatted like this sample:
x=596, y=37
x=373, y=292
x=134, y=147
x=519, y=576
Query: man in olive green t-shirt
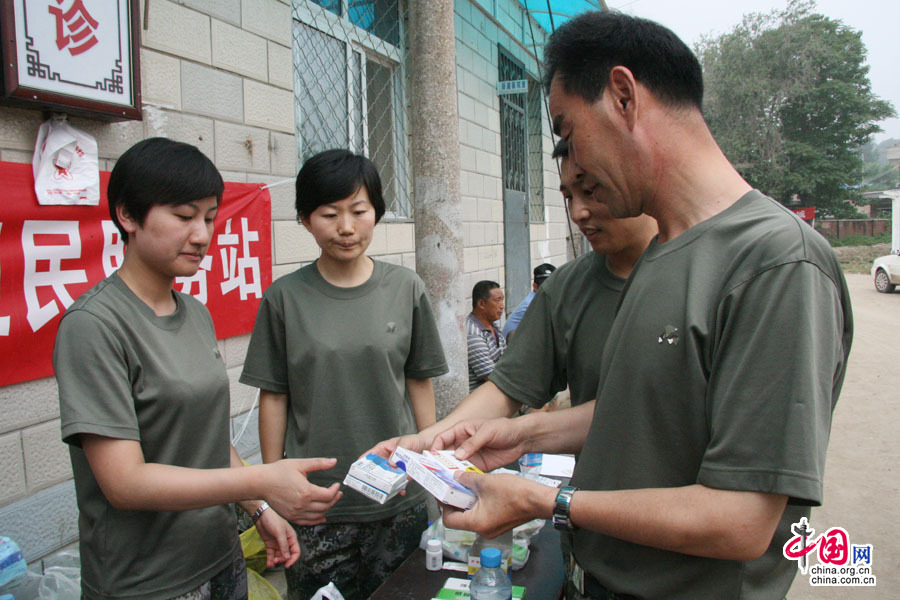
x=718, y=379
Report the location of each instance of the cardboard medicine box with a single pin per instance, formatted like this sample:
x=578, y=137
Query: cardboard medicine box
x=458, y=589
x=434, y=471
x=373, y=477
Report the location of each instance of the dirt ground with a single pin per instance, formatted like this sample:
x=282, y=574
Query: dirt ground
x=858, y=259
x=862, y=473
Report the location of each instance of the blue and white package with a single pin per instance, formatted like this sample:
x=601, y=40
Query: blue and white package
x=12, y=563
x=375, y=478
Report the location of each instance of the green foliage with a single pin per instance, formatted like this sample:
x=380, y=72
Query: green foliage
x=861, y=240
x=788, y=99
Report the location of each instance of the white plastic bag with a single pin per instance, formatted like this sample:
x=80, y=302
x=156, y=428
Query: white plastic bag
x=65, y=165
x=329, y=592
x=60, y=583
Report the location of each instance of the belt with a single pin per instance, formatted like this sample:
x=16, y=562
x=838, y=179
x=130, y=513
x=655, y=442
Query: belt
x=588, y=586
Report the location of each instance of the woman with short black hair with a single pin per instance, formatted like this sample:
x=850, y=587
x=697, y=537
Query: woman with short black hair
x=343, y=351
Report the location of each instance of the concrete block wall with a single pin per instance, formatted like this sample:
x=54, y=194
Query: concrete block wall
x=479, y=25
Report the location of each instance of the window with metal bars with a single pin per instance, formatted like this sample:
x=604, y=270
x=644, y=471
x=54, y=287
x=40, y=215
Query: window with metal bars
x=521, y=138
x=349, y=86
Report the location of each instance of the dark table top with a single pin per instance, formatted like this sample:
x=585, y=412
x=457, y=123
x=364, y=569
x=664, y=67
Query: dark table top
x=542, y=575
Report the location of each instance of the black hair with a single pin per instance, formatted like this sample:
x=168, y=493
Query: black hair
x=160, y=171
x=583, y=51
x=482, y=291
x=561, y=149
x=333, y=175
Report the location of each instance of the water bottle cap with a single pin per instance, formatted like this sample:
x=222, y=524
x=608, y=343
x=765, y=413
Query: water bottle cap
x=434, y=544
x=490, y=557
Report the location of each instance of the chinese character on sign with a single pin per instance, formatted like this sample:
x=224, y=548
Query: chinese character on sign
x=53, y=276
x=187, y=283
x=75, y=28
x=234, y=269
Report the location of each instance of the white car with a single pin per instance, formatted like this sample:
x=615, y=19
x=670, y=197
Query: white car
x=886, y=271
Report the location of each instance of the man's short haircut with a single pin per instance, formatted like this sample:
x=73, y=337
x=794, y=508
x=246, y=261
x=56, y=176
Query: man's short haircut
x=542, y=272
x=561, y=149
x=583, y=51
x=482, y=291
x=160, y=171
x=333, y=175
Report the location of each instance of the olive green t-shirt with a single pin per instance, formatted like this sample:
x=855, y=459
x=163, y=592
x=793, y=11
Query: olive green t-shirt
x=561, y=336
x=342, y=356
x=722, y=368
x=125, y=373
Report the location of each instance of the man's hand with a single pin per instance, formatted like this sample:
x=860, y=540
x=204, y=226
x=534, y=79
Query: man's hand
x=294, y=497
x=504, y=501
x=487, y=444
x=413, y=441
x=280, y=539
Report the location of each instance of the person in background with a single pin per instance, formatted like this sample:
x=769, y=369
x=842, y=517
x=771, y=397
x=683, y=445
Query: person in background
x=343, y=351
x=541, y=273
x=144, y=405
x=485, y=343
x=718, y=380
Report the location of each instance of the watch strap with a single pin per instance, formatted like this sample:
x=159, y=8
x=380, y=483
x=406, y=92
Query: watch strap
x=561, y=518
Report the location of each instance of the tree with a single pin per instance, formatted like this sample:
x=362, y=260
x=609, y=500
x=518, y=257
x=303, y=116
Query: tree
x=788, y=99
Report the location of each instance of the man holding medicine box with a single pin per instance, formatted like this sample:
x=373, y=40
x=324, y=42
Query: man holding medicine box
x=727, y=355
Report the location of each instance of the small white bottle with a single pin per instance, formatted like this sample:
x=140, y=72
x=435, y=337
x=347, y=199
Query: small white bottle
x=434, y=555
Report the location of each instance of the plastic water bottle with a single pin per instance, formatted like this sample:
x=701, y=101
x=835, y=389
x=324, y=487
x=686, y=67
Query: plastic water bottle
x=503, y=543
x=530, y=464
x=491, y=581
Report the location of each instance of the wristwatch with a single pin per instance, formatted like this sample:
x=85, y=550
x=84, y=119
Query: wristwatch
x=259, y=511
x=561, y=518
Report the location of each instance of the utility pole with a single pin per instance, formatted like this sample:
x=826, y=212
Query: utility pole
x=437, y=204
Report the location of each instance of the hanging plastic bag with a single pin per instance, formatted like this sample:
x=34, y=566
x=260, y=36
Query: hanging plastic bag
x=65, y=165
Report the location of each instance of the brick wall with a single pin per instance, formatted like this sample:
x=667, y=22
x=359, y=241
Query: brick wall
x=841, y=228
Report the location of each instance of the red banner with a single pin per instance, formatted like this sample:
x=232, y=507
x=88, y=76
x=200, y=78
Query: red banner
x=807, y=213
x=49, y=255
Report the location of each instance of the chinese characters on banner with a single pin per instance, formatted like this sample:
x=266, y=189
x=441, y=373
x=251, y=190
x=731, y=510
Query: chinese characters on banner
x=49, y=255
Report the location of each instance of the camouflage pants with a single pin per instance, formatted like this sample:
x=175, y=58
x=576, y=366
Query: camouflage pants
x=356, y=557
x=228, y=584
